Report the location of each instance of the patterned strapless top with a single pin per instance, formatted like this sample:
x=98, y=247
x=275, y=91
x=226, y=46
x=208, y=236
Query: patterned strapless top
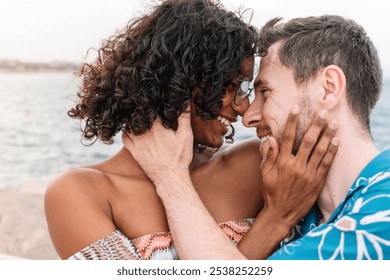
x=156, y=246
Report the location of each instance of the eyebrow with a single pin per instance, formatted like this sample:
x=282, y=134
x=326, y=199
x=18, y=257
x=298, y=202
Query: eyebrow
x=258, y=82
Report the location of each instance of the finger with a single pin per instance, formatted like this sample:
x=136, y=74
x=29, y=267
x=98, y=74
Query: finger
x=322, y=147
x=326, y=162
x=126, y=140
x=125, y=137
x=263, y=149
x=311, y=137
x=184, y=121
x=188, y=108
x=269, y=151
x=289, y=132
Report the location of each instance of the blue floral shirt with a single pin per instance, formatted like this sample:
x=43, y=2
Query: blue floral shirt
x=359, y=228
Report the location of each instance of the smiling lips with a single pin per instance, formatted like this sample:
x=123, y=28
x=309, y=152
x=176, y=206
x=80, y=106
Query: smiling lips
x=224, y=121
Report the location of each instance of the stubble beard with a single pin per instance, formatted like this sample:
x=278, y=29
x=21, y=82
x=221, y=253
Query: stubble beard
x=305, y=119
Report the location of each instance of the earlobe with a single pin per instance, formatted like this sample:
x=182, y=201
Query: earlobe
x=334, y=84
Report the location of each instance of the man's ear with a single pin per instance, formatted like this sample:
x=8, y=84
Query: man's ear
x=335, y=86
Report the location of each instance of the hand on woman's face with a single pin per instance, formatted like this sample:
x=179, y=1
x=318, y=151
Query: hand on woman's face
x=161, y=150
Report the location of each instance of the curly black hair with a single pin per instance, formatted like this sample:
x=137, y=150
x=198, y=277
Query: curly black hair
x=151, y=67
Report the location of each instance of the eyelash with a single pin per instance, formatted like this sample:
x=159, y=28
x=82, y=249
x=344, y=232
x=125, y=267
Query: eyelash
x=264, y=92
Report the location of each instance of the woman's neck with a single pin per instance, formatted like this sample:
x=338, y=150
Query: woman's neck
x=201, y=155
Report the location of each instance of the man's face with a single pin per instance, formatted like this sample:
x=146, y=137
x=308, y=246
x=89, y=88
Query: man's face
x=276, y=92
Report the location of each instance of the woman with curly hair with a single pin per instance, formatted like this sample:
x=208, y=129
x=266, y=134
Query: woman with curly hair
x=185, y=53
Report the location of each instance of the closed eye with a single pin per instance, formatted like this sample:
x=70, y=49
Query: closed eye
x=265, y=92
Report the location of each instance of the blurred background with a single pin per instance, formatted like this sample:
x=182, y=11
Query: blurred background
x=44, y=41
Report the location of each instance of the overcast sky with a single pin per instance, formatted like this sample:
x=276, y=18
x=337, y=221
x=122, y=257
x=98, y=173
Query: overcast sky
x=46, y=30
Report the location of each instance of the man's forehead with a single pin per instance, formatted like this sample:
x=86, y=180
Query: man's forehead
x=263, y=74
x=272, y=55
x=259, y=81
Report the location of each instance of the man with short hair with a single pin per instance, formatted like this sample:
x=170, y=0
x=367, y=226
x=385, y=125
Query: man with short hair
x=326, y=62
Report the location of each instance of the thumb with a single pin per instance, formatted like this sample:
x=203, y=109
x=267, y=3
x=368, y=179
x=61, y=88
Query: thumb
x=269, y=151
x=184, y=121
x=126, y=140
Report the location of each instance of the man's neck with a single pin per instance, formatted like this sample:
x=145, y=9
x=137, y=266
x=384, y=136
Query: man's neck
x=355, y=151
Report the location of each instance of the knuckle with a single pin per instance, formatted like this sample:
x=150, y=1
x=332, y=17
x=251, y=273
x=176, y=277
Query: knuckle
x=326, y=163
x=309, y=139
x=312, y=180
x=321, y=149
x=297, y=173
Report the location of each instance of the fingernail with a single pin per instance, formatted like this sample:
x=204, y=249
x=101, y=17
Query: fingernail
x=333, y=124
x=323, y=114
x=263, y=140
x=295, y=110
x=335, y=141
x=264, y=148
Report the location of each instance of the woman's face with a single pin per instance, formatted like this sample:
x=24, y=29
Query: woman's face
x=212, y=133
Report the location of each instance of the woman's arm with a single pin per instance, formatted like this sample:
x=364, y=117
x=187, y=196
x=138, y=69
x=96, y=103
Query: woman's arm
x=291, y=183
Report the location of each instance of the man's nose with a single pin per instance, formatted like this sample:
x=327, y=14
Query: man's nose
x=252, y=116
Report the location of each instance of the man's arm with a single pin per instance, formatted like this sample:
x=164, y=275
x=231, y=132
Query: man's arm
x=165, y=156
x=194, y=231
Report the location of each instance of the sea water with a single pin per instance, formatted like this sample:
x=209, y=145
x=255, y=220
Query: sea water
x=38, y=140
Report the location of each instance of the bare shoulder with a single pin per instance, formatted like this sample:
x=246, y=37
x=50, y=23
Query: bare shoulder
x=235, y=177
x=247, y=151
x=77, y=210
x=242, y=161
x=76, y=185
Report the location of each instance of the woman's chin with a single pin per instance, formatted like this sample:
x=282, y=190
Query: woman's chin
x=217, y=143
x=214, y=142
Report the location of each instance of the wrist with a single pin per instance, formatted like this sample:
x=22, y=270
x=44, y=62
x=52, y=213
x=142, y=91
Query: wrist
x=173, y=182
x=163, y=174
x=275, y=224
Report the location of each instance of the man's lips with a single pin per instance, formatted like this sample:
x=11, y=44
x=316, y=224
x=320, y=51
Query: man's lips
x=263, y=132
